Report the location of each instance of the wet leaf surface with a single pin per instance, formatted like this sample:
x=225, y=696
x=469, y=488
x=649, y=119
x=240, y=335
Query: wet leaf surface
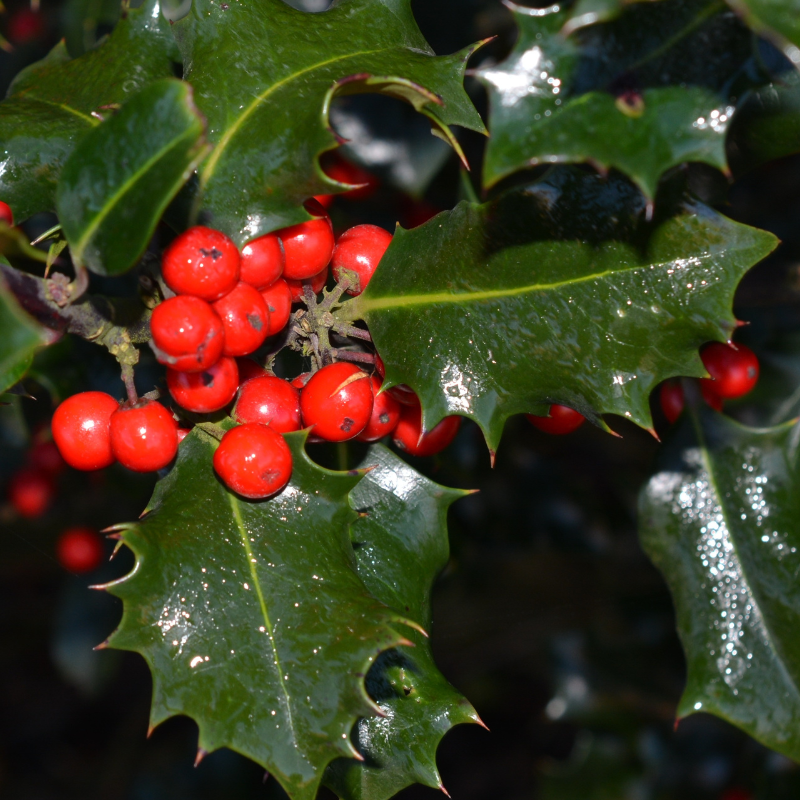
x=720, y=520
x=558, y=293
x=401, y=546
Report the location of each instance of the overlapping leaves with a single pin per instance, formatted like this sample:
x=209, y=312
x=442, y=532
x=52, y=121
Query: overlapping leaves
x=720, y=518
x=558, y=293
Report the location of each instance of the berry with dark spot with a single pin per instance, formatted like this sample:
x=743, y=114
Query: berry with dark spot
x=188, y=334
x=245, y=319
x=206, y=391
x=385, y=414
x=201, y=262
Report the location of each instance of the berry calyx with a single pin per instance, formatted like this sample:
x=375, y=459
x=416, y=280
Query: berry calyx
x=253, y=460
x=408, y=434
x=278, y=300
x=337, y=401
x=262, y=261
x=206, y=391
x=188, y=334
x=385, y=414
x=30, y=492
x=562, y=420
x=6, y=214
x=359, y=250
x=307, y=246
x=81, y=430
x=79, y=549
x=734, y=370
x=245, y=319
x=201, y=262
x=672, y=399
x=144, y=437
x=317, y=282
x=271, y=401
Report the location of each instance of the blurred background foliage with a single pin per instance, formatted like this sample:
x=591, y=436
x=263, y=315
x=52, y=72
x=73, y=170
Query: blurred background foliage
x=549, y=616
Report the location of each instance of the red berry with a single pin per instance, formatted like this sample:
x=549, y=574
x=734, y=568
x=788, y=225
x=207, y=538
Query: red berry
x=562, y=420
x=672, y=400
x=249, y=369
x=337, y=401
x=271, y=401
x=188, y=335
x=262, y=261
x=417, y=213
x=201, y=262
x=81, y=430
x=45, y=456
x=253, y=460
x=278, y=299
x=25, y=26
x=6, y=214
x=301, y=380
x=203, y=392
x=307, y=246
x=183, y=433
x=317, y=282
x=379, y=368
x=31, y=492
x=385, y=415
x=404, y=395
x=408, y=434
x=359, y=250
x=79, y=549
x=737, y=794
x=733, y=370
x=144, y=437
x=245, y=318
x=345, y=171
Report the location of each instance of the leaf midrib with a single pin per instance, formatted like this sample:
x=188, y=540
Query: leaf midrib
x=63, y=106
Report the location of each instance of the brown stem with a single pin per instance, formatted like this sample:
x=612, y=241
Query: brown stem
x=353, y=355
x=130, y=386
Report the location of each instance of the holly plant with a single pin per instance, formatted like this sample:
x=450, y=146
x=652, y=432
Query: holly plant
x=170, y=194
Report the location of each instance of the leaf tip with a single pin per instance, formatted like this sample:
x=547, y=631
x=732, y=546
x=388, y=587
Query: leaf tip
x=201, y=754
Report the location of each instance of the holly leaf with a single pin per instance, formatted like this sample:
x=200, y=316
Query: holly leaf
x=653, y=89
x=123, y=174
x=265, y=74
x=555, y=293
x=51, y=103
x=401, y=546
x=720, y=520
x=776, y=20
x=251, y=614
x=20, y=338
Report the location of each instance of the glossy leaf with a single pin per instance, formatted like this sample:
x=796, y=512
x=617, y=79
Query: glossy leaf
x=401, y=546
x=20, y=338
x=251, y=614
x=777, y=20
x=53, y=103
x=651, y=90
x=559, y=293
x=265, y=73
x=123, y=174
x=721, y=520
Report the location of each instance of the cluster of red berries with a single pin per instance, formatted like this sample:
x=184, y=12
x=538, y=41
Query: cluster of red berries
x=734, y=371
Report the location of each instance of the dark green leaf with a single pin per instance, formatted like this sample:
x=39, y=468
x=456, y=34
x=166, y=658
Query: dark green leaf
x=264, y=75
x=20, y=338
x=721, y=520
x=123, y=174
x=251, y=614
x=651, y=90
x=777, y=20
x=559, y=293
x=401, y=546
x=51, y=104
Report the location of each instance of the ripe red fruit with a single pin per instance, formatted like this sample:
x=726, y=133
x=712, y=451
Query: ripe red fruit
x=359, y=250
x=206, y=391
x=262, y=261
x=672, y=400
x=79, y=549
x=183, y=433
x=408, y=434
x=26, y=25
x=278, y=299
x=253, y=460
x=317, y=282
x=404, y=395
x=337, y=401
x=249, y=369
x=737, y=794
x=245, y=318
x=6, y=214
x=307, y=246
x=385, y=414
x=144, y=437
x=301, y=380
x=271, y=401
x=734, y=370
x=81, y=430
x=188, y=335
x=562, y=420
x=31, y=492
x=345, y=171
x=45, y=456
x=201, y=262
